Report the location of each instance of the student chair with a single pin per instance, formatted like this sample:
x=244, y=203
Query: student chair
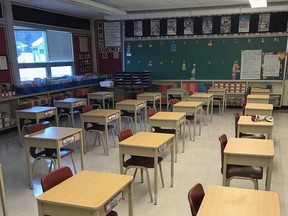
x=140, y=162
x=245, y=135
x=91, y=127
x=195, y=197
x=47, y=153
x=252, y=173
x=58, y=176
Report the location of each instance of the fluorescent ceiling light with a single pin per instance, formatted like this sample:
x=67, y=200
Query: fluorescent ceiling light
x=92, y=4
x=258, y=3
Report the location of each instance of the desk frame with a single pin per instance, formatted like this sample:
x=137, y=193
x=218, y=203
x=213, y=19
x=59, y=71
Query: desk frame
x=52, y=137
x=102, y=116
x=71, y=103
x=134, y=105
x=37, y=113
x=230, y=201
x=102, y=95
x=190, y=108
x=249, y=152
x=207, y=99
x=258, y=109
x=137, y=145
x=246, y=125
x=79, y=202
x=151, y=96
x=2, y=193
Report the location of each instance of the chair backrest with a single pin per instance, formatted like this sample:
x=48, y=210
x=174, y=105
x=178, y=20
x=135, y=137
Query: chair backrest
x=195, y=197
x=237, y=117
x=174, y=101
x=56, y=177
x=59, y=97
x=120, y=98
x=24, y=106
x=124, y=134
x=152, y=112
x=35, y=127
x=32, y=129
x=223, y=142
x=86, y=109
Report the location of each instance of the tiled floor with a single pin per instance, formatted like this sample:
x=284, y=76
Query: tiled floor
x=200, y=163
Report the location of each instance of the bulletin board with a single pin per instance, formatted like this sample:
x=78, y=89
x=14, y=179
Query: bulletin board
x=200, y=58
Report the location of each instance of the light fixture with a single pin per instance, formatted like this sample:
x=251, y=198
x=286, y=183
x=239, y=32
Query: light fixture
x=258, y=3
x=92, y=4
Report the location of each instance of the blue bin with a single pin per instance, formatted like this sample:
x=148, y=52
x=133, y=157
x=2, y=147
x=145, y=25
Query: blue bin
x=202, y=88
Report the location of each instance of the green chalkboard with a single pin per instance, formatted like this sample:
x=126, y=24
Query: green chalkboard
x=214, y=57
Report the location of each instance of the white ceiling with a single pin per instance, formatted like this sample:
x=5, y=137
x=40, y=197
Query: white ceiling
x=139, y=9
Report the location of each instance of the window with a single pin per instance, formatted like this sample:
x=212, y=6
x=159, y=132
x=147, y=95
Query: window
x=50, y=51
x=31, y=46
x=61, y=71
x=31, y=73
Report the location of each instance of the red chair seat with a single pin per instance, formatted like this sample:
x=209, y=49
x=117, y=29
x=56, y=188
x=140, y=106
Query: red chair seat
x=147, y=162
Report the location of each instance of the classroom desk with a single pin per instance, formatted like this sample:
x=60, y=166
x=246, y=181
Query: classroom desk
x=246, y=125
x=70, y=103
x=148, y=144
x=53, y=137
x=207, y=99
x=249, y=152
x=37, y=113
x=258, y=109
x=229, y=201
x=87, y=193
x=189, y=107
x=133, y=105
x=101, y=116
x=260, y=91
x=2, y=193
x=176, y=91
x=101, y=95
x=172, y=120
x=151, y=96
x=258, y=99
x=219, y=93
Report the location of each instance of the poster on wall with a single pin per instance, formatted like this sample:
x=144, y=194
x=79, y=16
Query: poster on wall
x=207, y=25
x=112, y=34
x=155, y=27
x=251, y=64
x=225, y=26
x=171, y=26
x=83, y=44
x=138, y=28
x=271, y=65
x=188, y=26
x=264, y=22
x=244, y=23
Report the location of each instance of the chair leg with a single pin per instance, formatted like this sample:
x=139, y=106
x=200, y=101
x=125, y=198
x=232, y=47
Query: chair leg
x=135, y=172
x=189, y=128
x=103, y=142
x=142, y=179
x=72, y=159
x=255, y=181
x=113, y=136
x=149, y=185
x=161, y=175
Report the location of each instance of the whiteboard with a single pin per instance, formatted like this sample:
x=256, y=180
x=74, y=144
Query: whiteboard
x=112, y=34
x=251, y=64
